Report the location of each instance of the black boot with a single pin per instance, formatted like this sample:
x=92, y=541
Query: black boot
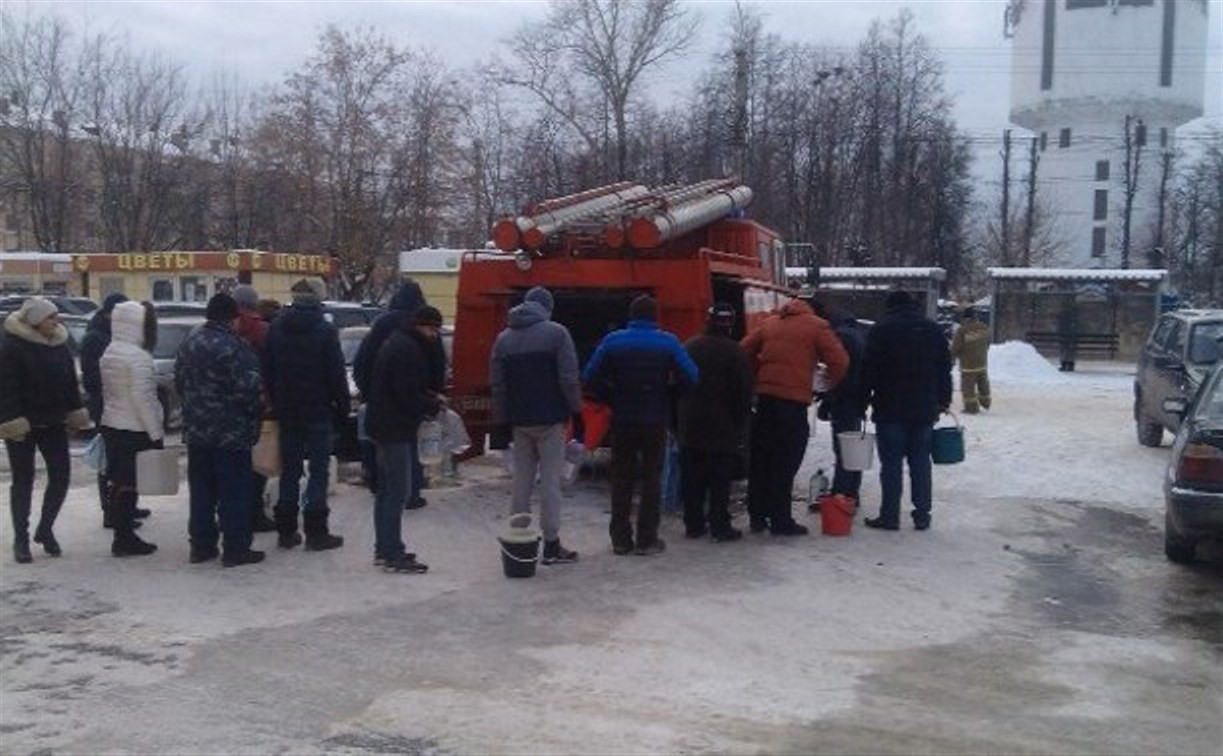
x=126, y=543
x=286, y=526
x=47, y=539
x=318, y=538
x=260, y=522
x=20, y=512
x=21, y=550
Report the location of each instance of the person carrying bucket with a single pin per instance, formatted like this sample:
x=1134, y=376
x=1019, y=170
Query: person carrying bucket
x=535, y=390
x=844, y=405
x=906, y=372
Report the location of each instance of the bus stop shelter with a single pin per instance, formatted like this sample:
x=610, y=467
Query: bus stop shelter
x=1108, y=312
x=862, y=291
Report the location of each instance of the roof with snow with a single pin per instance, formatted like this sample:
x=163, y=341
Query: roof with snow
x=849, y=274
x=35, y=257
x=1080, y=274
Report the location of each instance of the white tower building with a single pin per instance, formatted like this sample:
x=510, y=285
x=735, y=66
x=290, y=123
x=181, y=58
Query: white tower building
x=1082, y=70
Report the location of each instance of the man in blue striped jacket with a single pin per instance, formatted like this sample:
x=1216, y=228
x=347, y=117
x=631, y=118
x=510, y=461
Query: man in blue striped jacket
x=634, y=370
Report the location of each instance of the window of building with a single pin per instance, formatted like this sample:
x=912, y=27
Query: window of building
x=1163, y=136
x=1047, y=41
x=163, y=290
x=1140, y=134
x=1080, y=4
x=1097, y=242
x=1100, y=211
x=1063, y=138
x=1044, y=140
x=1101, y=170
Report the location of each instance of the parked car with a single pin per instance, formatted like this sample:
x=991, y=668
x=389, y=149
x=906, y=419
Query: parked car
x=1193, y=485
x=350, y=314
x=346, y=447
x=1179, y=353
x=171, y=332
x=180, y=309
x=67, y=305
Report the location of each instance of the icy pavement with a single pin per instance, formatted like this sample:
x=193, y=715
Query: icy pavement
x=1038, y=615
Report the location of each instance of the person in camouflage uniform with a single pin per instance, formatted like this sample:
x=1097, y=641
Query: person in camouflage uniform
x=217, y=374
x=971, y=347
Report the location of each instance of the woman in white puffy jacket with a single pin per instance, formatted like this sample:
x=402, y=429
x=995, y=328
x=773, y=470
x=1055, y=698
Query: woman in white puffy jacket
x=132, y=419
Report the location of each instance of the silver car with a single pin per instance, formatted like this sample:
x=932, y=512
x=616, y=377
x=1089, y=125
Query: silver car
x=171, y=332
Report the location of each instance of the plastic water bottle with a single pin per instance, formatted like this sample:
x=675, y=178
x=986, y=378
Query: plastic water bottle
x=429, y=442
x=817, y=487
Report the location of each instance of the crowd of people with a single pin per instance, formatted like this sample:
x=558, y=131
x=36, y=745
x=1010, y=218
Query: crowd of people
x=735, y=406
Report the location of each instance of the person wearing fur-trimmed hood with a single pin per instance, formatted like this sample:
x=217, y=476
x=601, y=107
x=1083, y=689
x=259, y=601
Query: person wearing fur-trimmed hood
x=40, y=401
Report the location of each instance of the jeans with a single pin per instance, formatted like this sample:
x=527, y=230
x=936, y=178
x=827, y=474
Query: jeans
x=779, y=442
x=636, y=456
x=706, y=473
x=898, y=442
x=539, y=448
x=52, y=443
x=221, y=487
x=848, y=482
x=418, y=474
x=394, y=488
x=300, y=445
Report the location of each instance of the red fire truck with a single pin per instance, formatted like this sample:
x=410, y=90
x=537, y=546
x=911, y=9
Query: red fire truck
x=686, y=245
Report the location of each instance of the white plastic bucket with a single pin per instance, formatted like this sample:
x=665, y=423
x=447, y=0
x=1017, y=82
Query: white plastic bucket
x=157, y=472
x=857, y=449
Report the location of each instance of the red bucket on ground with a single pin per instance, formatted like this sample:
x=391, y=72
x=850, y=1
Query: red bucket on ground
x=836, y=514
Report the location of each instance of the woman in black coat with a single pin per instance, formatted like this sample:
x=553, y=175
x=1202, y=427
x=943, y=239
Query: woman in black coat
x=40, y=401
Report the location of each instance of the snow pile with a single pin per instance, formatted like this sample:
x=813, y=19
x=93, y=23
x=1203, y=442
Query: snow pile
x=1019, y=362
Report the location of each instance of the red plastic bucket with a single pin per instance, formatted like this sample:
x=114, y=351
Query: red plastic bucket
x=836, y=515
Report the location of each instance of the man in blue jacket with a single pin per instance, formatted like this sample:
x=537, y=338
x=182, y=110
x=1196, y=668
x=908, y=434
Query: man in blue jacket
x=303, y=372
x=633, y=370
x=906, y=373
x=534, y=376
x=217, y=375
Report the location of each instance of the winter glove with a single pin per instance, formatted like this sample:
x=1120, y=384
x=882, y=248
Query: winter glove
x=15, y=430
x=78, y=420
x=158, y=444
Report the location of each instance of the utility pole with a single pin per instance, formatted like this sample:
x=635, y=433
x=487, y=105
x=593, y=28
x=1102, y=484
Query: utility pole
x=1006, y=197
x=1030, y=220
x=1135, y=137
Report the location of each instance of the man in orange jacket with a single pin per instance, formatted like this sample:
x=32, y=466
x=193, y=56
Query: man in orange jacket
x=785, y=351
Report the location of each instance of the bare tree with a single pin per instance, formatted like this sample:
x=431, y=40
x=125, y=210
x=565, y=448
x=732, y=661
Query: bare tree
x=1133, y=140
x=40, y=105
x=607, y=45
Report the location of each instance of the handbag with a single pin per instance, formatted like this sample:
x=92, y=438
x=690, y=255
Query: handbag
x=265, y=455
x=947, y=443
x=95, y=454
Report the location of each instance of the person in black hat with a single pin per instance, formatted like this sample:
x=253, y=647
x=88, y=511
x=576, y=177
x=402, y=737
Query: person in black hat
x=906, y=375
x=303, y=373
x=713, y=420
x=633, y=370
x=217, y=374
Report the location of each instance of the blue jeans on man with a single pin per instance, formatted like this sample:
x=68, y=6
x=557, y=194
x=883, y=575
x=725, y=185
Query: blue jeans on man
x=899, y=443
x=394, y=488
x=302, y=445
x=221, y=484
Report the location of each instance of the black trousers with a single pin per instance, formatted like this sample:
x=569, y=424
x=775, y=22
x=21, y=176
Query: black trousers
x=778, y=444
x=706, y=474
x=848, y=482
x=636, y=458
x=122, y=446
x=52, y=443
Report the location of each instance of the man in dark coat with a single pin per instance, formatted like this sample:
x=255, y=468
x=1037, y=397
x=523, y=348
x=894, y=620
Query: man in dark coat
x=844, y=405
x=713, y=419
x=907, y=377
x=303, y=373
x=93, y=344
x=217, y=375
x=408, y=300
x=633, y=370
x=533, y=372
x=399, y=400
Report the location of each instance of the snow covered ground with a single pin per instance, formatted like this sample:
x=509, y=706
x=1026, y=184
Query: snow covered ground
x=1037, y=615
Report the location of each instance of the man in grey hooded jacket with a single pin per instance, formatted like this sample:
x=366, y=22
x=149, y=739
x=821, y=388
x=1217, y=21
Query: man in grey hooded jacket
x=536, y=389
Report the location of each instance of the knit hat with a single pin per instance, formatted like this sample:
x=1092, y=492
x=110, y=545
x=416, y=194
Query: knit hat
x=37, y=309
x=643, y=308
x=307, y=290
x=721, y=312
x=429, y=316
x=111, y=300
x=540, y=296
x=222, y=308
x=246, y=297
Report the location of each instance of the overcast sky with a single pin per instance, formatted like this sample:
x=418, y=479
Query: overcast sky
x=261, y=41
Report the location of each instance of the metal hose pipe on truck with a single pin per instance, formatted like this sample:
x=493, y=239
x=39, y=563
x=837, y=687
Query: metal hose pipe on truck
x=648, y=232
